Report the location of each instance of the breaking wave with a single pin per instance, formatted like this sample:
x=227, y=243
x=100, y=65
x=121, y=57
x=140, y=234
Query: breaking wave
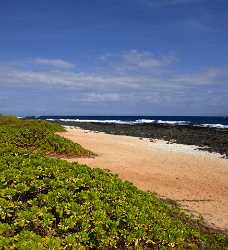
x=139, y=121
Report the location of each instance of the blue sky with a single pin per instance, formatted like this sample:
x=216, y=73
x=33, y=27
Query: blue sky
x=114, y=57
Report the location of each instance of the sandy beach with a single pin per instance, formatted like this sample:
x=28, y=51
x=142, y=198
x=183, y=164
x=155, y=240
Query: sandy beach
x=198, y=180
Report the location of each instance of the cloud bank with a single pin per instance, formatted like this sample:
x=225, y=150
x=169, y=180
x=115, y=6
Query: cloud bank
x=57, y=63
x=132, y=81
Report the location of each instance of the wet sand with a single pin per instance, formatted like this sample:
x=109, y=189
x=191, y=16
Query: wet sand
x=198, y=180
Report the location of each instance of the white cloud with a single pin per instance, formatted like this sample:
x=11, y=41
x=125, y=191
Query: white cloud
x=101, y=97
x=57, y=63
x=129, y=87
x=106, y=80
x=210, y=76
x=145, y=60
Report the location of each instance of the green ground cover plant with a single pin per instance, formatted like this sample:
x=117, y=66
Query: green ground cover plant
x=48, y=203
x=12, y=121
x=38, y=136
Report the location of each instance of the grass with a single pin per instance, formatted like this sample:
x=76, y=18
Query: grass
x=51, y=204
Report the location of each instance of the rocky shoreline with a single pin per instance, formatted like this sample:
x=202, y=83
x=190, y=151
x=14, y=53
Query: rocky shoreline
x=209, y=139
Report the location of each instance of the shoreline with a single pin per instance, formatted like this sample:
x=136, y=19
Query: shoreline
x=206, y=139
x=196, y=179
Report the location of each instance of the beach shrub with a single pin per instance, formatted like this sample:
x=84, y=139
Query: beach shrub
x=51, y=204
x=38, y=136
x=13, y=121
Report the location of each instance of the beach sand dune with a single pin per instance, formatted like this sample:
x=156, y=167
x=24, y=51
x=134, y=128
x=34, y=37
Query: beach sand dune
x=198, y=180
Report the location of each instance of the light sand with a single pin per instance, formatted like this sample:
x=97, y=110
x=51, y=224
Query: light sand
x=196, y=179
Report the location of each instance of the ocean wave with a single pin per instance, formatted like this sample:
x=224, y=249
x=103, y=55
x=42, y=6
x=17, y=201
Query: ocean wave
x=174, y=122
x=93, y=121
x=141, y=121
x=214, y=125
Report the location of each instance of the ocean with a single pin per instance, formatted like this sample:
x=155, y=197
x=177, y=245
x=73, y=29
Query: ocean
x=203, y=121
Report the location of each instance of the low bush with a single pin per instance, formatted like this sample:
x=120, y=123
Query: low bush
x=38, y=136
x=51, y=204
x=13, y=121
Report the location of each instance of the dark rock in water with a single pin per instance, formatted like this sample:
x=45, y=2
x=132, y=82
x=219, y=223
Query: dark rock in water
x=209, y=139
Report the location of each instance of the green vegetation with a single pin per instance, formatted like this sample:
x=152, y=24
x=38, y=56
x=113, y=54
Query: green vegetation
x=39, y=136
x=12, y=121
x=51, y=204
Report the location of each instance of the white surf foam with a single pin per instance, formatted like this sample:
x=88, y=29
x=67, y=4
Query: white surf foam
x=214, y=125
x=141, y=121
